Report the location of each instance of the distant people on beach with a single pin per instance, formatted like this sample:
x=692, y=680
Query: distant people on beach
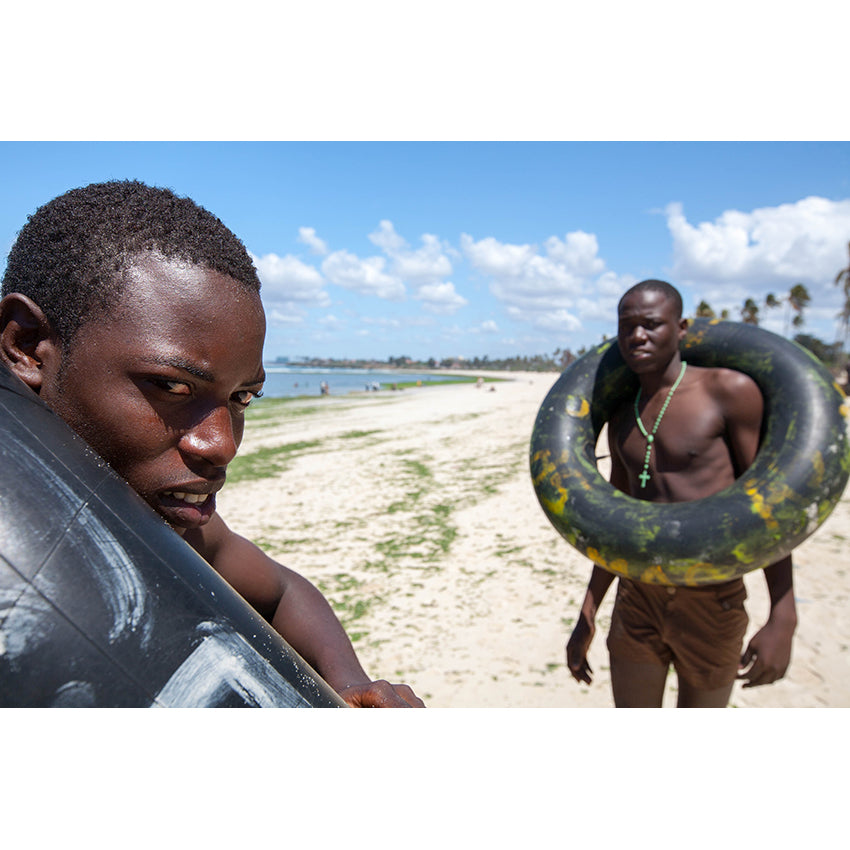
x=324, y=388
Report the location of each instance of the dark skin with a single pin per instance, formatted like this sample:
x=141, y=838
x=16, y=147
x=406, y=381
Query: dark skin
x=158, y=386
x=708, y=436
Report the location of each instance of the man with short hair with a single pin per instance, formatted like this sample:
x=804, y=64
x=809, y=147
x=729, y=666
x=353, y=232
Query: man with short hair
x=690, y=433
x=136, y=316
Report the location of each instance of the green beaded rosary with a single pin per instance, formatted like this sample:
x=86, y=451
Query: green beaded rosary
x=650, y=438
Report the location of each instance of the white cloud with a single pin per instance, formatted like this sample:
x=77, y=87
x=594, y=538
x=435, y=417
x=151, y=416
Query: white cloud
x=381, y=321
x=291, y=316
x=801, y=242
x=426, y=265
x=307, y=235
x=441, y=298
x=743, y=255
x=365, y=276
x=288, y=287
x=387, y=239
x=498, y=259
x=560, y=320
x=577, y=253
x=331, y=322
x=553, y=289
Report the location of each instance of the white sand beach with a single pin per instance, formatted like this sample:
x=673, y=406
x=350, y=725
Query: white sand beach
x=414, y=512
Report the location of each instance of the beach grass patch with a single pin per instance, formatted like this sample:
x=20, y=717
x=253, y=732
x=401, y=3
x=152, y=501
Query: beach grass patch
x=268, y=412
x=355, y=435
x=486, y=477
x=459, y=379
x=427, y=543
x=266, y=462
x=275, y=409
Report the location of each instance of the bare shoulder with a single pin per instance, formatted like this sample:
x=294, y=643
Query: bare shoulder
x=737, y=396
x=730, y=385
x=241, y=563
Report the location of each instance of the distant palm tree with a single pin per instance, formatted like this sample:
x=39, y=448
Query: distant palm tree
x=843, y=279
x=704, y=311
x=750, y=312
x=798, y=298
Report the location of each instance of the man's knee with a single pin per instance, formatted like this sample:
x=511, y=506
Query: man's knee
x=694, y=697
x=637, y=684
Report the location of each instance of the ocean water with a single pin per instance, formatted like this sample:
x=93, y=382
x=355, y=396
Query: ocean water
x=290, y=381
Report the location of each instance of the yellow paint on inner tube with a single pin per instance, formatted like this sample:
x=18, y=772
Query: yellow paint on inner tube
x=697, y=571
x=594, y=556
x=819, y=469
x=546, y=465
x=577, y=407
x=654, y=575
x=617, y=565
x=761, y=507
x=740, y=554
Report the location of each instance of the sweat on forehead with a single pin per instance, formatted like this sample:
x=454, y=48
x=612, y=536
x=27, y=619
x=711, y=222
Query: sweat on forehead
x=69, y=256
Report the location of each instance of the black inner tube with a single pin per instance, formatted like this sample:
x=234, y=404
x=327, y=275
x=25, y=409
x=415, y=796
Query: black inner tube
x=795, y=481
x=102, y=604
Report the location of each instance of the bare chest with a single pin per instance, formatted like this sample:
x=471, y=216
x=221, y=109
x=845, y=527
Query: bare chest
x=677, y=447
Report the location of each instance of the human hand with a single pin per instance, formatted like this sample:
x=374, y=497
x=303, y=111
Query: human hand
x=381, y=694
x=768, y=654
x=577, y=647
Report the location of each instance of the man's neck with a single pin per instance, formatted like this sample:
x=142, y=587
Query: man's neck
x=653, y=382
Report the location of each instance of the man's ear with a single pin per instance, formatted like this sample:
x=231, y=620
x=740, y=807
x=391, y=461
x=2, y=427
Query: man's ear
x=28, y=342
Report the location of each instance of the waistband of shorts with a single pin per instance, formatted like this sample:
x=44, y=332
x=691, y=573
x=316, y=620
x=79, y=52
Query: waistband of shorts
x=705, y=588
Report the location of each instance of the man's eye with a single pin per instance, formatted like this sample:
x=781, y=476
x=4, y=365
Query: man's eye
x=245, y=397
x=175, y=387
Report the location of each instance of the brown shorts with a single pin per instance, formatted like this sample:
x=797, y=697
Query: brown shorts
x=699, y=630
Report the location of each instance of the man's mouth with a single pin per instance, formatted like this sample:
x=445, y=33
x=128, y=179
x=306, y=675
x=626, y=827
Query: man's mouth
x=182, y=509
x=191, y=498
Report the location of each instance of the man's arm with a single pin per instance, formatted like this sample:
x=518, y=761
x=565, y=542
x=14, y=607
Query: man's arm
x=768, y=653
x=582, y=635
x=298, y=612
x=600, y=580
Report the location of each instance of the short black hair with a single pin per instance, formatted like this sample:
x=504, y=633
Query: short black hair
x=667, y=289
x=69, y=256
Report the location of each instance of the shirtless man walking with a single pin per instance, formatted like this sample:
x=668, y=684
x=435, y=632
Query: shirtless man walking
x=689, y=433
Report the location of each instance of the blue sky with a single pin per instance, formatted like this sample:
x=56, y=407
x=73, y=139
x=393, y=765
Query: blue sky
x=498, y=249
x=486, y=248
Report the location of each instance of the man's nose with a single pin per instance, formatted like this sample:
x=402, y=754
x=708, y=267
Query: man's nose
x=212, y=438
